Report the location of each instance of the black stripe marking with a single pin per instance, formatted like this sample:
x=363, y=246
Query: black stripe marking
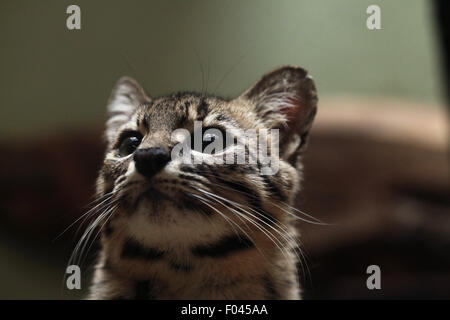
x=222, y=117
x=184, y=176
x=145, y=123
x=252, y=196
x=188, y=169
x=120, y=179
x=194, y=205
x=184, y=114
x=202, y=109
x=273, y=189
x=134, y=250
x=224, y=247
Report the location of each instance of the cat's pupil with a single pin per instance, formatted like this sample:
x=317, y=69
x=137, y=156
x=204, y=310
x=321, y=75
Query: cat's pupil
x=129, y=145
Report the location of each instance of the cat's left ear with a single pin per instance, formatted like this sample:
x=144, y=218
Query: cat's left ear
x=285, y=99
x=125, y=98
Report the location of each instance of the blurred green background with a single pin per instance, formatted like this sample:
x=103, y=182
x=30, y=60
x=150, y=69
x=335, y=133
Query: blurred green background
x=52, y=77
x=55, y=80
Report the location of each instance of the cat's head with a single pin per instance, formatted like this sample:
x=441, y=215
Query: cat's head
x=156, y=192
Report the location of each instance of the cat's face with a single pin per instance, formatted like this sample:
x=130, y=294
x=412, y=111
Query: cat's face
x=160, y=195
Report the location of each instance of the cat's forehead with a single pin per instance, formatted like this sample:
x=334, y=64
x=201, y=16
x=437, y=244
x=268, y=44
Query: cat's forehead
x=173, y=111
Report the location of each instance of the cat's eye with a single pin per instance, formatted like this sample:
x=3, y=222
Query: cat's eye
x=212, y=140
x=129, y=144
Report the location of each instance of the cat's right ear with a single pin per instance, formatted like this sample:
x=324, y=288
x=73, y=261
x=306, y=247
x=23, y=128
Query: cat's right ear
x=125, y=98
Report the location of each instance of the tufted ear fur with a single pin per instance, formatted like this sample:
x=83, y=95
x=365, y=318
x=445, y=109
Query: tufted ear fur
x=126, y=96
x=285, y=99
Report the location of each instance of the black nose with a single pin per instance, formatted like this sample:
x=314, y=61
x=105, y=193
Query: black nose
x=149, y=161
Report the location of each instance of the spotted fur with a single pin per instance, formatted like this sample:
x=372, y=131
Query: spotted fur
x=187, y=232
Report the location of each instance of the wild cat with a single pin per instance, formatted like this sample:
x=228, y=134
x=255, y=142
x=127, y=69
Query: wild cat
x=174, y=229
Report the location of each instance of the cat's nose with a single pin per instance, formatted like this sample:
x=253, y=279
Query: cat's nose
x=150, y=161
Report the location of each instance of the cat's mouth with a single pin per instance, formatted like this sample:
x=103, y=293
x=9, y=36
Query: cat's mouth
x=158, y=194
x=156, y=197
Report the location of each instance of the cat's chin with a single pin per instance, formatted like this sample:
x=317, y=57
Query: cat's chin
x=157, y=204
x=153, y=202
x=152, y=195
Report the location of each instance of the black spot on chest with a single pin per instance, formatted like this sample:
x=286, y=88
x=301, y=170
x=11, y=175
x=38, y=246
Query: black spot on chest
x=134, y=250
x=224, y=247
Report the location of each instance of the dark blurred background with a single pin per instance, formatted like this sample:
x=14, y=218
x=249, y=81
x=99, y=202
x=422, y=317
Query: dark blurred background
x=377, y=165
